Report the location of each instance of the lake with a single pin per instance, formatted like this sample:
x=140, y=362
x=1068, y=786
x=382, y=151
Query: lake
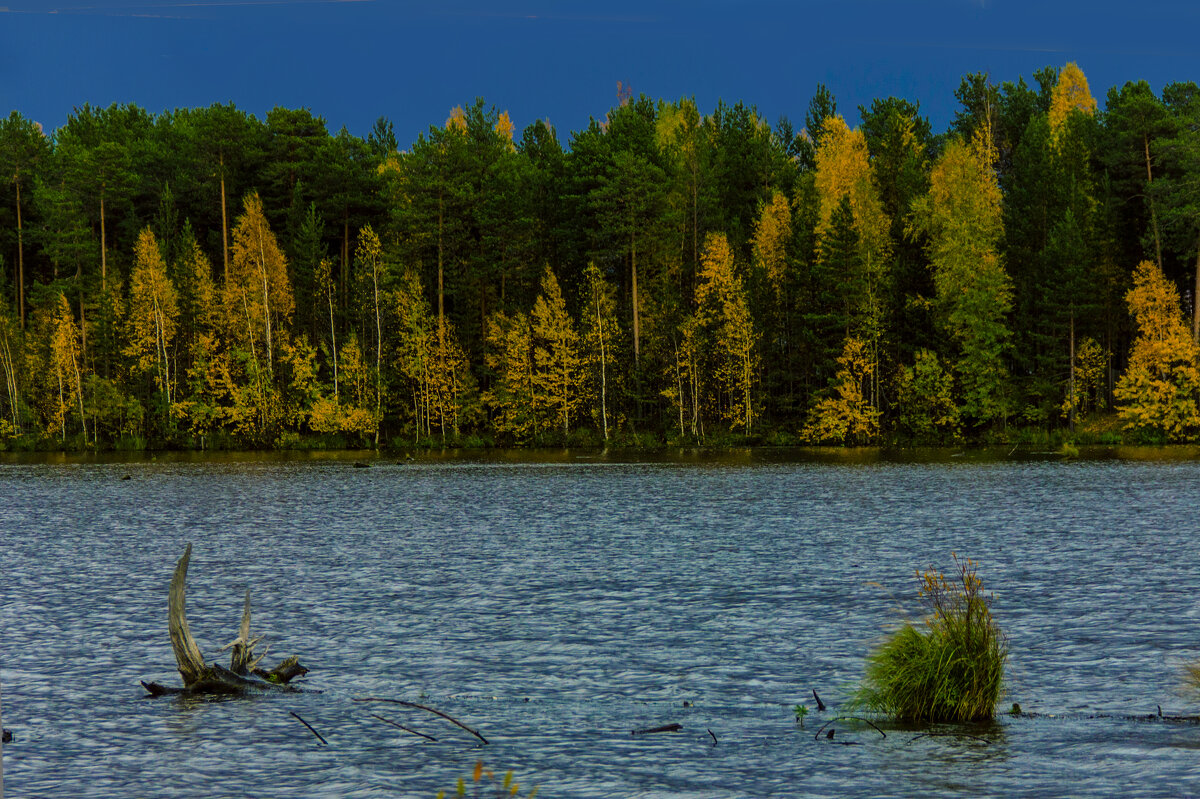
x=557, y=602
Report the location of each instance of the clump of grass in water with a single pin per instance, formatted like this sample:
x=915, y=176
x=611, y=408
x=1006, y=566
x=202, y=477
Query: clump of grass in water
x=950, y=667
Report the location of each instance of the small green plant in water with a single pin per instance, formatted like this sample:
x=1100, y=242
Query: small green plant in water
x=801, y=711
x=949, y=667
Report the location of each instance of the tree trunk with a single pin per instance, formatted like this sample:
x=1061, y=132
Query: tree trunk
x=1196, y=297
x=224, y=222
x=10, y=379
x=1150, y=201
x=345, y=261
x=333, y=342
x=603, y=371
x=441, y=287
x=378, y=350
x=20, y=260
x=262, y=255
x=637, y=329
x=1071, y=382
x=103, y=248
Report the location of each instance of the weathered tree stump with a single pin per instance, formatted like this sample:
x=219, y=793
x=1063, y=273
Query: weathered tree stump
x=243, y=675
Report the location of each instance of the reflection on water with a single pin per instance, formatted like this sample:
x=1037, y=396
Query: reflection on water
x=557, y=603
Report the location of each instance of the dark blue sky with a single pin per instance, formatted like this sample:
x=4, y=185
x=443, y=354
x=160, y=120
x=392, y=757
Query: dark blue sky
x=352, y=61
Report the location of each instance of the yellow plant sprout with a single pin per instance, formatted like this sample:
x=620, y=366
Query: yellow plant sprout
x=484, y=784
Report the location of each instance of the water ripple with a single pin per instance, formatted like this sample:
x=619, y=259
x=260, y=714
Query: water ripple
x=556, y=608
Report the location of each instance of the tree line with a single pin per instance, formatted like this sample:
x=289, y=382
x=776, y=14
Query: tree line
x=204, y=278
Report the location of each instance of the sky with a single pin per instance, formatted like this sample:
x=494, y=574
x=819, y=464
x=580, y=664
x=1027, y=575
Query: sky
x=353, y=61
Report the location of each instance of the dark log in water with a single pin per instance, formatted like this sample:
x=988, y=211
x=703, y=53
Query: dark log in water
x=664, y=728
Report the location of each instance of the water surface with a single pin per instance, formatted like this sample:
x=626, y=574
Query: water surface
x=559, y=604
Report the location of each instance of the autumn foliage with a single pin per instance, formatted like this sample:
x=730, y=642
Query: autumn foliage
x=206, y=278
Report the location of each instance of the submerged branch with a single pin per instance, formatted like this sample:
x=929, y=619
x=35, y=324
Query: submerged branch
x=401, y=726
x=449, y=718
x=868, y=722
x=310, y=727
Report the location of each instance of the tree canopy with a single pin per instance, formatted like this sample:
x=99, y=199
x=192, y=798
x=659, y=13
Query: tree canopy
x=204, y=277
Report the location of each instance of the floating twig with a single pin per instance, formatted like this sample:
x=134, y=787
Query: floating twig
x=310, y=727
x=401, y=726
x=448, y=718
x=664, y=728
x=817, y=734
x=710, y=732
x=949, y=735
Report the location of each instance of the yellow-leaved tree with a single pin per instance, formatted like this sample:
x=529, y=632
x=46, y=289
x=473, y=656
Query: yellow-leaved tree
x=1157, y=395
x=207, y=398
x=509, y=356
x=414, y=344
x=724, y=310
x=355, y=415
x=453, y=388
x=1071, y=94
x=685, y=389
x=64, y=360
x=600, y=341
x=369, y=257
x=557, y=365
x=258, y=305
x=963, y=219
x=845, y=416
x=771, y=236
x=11, y=366
x=258, y=294
x=153, y=311
x=505, y=129
x=1091, y=368
x=843, y=180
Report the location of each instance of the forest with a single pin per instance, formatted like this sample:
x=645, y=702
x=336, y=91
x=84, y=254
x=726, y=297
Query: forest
x=204, y=279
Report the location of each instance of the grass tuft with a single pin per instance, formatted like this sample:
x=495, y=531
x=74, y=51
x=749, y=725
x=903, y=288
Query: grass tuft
x=950, y=666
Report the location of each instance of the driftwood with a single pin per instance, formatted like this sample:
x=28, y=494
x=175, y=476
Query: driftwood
x=403, y=703
x=664, y=728
x=401, y=726
x=847, y=718
x=320, y=737
x=243, y=675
